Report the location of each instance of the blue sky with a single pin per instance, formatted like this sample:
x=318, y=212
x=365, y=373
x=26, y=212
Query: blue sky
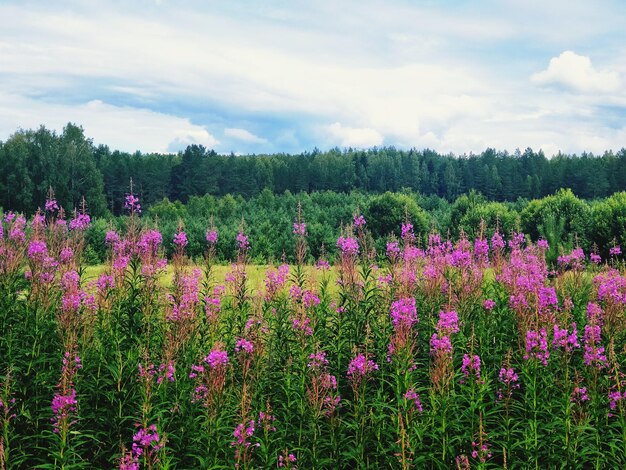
x=287, y=76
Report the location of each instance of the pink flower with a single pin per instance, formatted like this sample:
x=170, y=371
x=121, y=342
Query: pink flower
x=299, y=228
x=360, y=367
x=211, y=237
x=242, y=241
x=131, y=204
x=537, y=346
x=359, y=222
x=180, y=239
x=348, y=245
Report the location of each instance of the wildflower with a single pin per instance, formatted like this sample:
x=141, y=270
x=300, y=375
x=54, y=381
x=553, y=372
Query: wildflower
x=594, y=353
x=131, y=204
x=348, y=245
x=322, y=265
x=448, y=322
x=62, y=407
x=595, y=258
x=80, y=222
x=407, y=231
x=146, y=441
x=242, y=433
x=537, y=346
x=360, y=367
x=411, y=396
x=51, y=205
x=359, y=222
x=440, y=344
x=37, y=250
x=497, y=243
x=565, y=340
x=317, y=361
x=242, y=241
x=543, y=244
x=211, y=236
x=471, y=365
x=579, y=395
x=111, y=237
x=299, y=228
x=404, y=313
x=393, y=250
x=216, y=358
x=509, y=378
x=66, y=255
x=489, y=304
x=615, y=251
x=244, y=345
x=180, y=239
x=288, y=461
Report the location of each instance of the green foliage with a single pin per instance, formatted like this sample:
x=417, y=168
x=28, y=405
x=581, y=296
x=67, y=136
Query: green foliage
x=609, y=222
x=386, y=214
x=562, y=208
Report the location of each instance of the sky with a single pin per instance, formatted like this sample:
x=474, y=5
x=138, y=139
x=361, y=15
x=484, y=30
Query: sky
x=289, y=76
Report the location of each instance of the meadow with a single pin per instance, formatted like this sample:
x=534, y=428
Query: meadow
x=436, y=353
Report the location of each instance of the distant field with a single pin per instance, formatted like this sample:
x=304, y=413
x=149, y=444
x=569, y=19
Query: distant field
x=255, y=272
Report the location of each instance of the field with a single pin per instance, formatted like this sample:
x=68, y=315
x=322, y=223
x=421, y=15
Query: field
x=436, y=354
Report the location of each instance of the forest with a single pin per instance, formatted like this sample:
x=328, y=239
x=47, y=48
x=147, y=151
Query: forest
x=32, y=161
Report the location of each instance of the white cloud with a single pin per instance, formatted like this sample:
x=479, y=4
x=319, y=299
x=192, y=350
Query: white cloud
x=354, y=137
x=120, y=127
x=243, y=135
x=455, y=89
x=576, y=72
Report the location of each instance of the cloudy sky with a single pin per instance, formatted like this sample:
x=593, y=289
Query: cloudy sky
x=286, y=76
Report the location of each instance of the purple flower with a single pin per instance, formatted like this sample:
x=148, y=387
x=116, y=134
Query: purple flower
x=537, y=346
x=393, y=250
x=497, y=242
x=211, y=236
x=244, y=345
x=80, y=222
x=66, y=255
x=131, y=204
x=595, y=258
x=509, y=378
x=411, y=396
x=242, y=241
x=565, y=340
x=180, y=239
x=317, y=361
x=111, y=237
x=543, y=244
x=407, y=231
x=348, y=245
x=471, y=365
x=146, y=440
x=579, y=395
x=359, y=221
x=489, y=304
x=440, y=344
x=37, y=250
x=299, y=228
x=52, y=205
x=615, y=251
x=360, y=367
x=594, y=353
x=404, y=313
x=448, y=322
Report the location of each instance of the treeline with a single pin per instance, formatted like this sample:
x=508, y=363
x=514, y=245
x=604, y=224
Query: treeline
x=563, y=219
x=32, y=161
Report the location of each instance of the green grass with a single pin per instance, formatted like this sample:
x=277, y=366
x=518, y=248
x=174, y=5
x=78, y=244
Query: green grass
x=255, y=272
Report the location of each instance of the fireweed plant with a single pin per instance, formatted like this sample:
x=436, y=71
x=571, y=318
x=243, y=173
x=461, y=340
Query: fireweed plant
x=436, y=353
